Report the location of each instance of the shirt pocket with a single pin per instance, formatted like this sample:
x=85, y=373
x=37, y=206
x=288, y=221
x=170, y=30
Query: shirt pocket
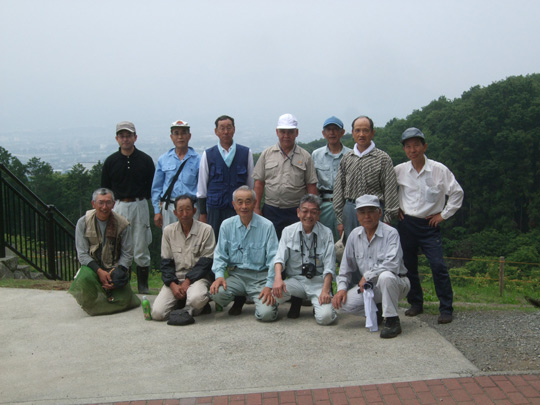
x=179, y=257
x=298, y=174
x=190, y=177
x=360, y=258
x=433, y=191
x=241, y=174
x=256, y=254
x=216, y=174
x=271, y=172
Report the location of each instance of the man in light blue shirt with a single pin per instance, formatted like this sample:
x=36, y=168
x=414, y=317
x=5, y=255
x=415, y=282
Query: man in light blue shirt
x=246, y=246
x=326, y=160
x=166, y=171
x=306, y=253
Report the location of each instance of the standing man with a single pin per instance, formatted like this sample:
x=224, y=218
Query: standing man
x=306, y=252
x=187, y=247
x=326, y=160
x=129, y=174
x=247, y=245
x=373, y=251
x=424, y=185
x=176, y=174
x=284, y=173
x=105, y=251
x=364, y=170
x=224, y=167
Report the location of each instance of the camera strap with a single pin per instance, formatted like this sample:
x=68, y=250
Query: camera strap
x=314, y=245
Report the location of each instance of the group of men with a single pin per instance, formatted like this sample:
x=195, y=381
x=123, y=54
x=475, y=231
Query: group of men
x=271, y=227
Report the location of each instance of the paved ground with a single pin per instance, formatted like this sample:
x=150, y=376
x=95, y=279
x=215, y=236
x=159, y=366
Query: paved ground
x=52, y=352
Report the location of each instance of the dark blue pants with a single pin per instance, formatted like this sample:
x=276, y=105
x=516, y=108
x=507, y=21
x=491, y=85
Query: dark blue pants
x=416, y=233
x=216, y=216
x=280, y=217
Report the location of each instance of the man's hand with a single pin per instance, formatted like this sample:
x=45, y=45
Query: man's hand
x=401, y=215
x=203, y=218
x=215, y=285
x=158, y=220
x=267, y=297
x=105, y=279
x=278, y=288
x=339, y=299
x=184, y=286
x=361, y=284
x=340, y=229
x=177, y=291
x=325, y=297
x=435, y=220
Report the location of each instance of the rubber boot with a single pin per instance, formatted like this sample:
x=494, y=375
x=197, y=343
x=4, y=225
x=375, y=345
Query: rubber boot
x=142, y=279
x=294, y=311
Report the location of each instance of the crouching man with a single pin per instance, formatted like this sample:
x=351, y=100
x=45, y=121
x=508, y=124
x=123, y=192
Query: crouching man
x=105, y=251
x=306, y=254
x=186, y=265
x=374, y=251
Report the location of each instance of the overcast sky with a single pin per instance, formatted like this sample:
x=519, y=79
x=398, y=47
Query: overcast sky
x=81, y=66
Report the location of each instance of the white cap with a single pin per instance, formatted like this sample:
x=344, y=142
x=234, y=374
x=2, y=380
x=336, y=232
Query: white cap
x=287, y=121
x=367, y=200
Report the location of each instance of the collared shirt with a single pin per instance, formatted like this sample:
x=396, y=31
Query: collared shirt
x=202, y=186
x=327, y=165
x=423, y=194
x=361, y=154
x=383, y=253
x=187, y=250
x=167, y=167
x=285, y=177
x=128, y=176
x=373, y=173
x=289, y=252
x=250, y=248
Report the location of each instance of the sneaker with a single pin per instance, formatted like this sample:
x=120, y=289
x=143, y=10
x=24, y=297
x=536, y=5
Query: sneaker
x=444, y=318
x=238, y=304
x=391, y=327
x=413, y=311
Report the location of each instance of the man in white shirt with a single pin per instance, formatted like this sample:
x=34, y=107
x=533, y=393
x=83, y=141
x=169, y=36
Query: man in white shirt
x=424, y=186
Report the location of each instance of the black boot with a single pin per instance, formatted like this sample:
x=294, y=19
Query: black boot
x=142, y=279
x=296, y=305
x=236, y=309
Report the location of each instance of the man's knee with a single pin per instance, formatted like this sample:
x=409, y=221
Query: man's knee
x=160, y=314
x=198, y=299
x=325, y=315
x=266, y=313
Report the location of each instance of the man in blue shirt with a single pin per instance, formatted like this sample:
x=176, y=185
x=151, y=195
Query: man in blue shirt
x=246, y=245
x=166, y=171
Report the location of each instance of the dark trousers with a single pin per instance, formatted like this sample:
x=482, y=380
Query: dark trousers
x=280, y=217
x=216, y=216
x=416, y=233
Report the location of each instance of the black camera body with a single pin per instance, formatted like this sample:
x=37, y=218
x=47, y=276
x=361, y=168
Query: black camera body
x=309, y=270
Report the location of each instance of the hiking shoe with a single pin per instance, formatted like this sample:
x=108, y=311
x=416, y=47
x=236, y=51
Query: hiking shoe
x=413, y=311
x=391, y=327
x=180, y=317
x=296, y=305
x=238, y=304
x=444, y=318
x=380, y=318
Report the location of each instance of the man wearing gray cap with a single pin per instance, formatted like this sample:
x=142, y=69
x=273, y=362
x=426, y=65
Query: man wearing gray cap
x=177, y=173
x=428, y=195
x=326, y=160
x=373, y=250
x=129, y=173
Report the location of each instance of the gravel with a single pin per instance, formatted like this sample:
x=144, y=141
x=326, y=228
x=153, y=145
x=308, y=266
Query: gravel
x=494, y=340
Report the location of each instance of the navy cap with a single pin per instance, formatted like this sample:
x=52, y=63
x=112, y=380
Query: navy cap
x=333, y=120
x=412, y=133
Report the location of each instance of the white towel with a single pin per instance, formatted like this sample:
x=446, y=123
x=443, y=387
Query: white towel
x=370, y=309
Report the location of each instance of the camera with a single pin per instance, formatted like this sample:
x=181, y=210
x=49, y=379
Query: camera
x=309, y=270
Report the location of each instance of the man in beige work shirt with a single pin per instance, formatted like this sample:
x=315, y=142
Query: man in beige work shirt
x=187, y=248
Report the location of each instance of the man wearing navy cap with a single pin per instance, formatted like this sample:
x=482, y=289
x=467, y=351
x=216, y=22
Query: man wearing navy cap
x=326, y=160
x=424, y=186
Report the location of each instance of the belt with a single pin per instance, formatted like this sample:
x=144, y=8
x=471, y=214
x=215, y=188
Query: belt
x=131, y=199
x=327, y=199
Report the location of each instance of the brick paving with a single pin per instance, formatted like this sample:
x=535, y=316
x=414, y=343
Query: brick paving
x=482, y=390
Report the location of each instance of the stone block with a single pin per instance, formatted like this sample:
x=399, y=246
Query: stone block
x=5, y=272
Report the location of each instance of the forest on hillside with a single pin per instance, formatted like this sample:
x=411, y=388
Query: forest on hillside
x=489, y=137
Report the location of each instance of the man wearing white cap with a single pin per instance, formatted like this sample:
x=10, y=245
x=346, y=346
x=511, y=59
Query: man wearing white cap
x=129, y=173
x=424, y=186
x=176, y=174
x=373, y=250
x=326, y=160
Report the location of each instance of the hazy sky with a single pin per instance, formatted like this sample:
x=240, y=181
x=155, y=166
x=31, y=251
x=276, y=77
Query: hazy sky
x=81, y=66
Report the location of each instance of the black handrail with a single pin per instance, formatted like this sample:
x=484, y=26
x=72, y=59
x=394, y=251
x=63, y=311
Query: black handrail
x=38, y=233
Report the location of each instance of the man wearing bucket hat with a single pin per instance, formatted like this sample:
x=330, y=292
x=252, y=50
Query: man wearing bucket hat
x=129, y=173
x=373, y=250
x=326, y=160
x=176, y=174
x=428, y=195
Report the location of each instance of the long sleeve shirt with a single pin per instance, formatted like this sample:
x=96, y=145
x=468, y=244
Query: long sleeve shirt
x=423, y=194
x=371, y=258
x=251, y=248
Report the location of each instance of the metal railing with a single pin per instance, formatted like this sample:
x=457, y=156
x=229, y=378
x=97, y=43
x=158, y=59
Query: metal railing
x=36, y=232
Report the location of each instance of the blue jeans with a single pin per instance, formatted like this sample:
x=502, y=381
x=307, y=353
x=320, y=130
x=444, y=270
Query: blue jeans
x=416, y=233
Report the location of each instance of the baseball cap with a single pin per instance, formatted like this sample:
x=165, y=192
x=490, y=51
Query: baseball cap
x=367, y=200
x=179, y=124
x=125, y=125
x=411, y=133
x=287, y=121
x=333, y=120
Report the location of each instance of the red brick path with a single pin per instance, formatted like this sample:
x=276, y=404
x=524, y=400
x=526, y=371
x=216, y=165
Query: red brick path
x=494, y=389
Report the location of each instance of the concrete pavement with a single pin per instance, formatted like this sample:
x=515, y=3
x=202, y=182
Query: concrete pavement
x=51, y=351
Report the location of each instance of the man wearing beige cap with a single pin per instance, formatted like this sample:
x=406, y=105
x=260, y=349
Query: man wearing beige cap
x=374, y=252
x=129, y=173
x=176, y=174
